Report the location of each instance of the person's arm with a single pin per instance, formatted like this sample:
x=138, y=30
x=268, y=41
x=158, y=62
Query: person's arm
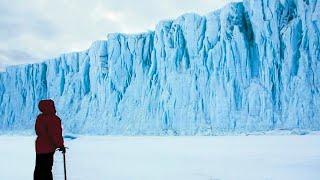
x=36, y=126
x=55, y=133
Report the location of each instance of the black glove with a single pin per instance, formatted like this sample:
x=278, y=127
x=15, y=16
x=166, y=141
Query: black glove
x=62, y=149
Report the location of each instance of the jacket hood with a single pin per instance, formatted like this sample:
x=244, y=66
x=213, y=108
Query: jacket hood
x=47, y=106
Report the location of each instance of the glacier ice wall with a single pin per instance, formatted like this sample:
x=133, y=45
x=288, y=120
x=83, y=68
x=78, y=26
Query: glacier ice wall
x=251, y=66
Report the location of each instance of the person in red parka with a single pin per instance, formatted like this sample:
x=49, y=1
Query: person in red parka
x=49, y=138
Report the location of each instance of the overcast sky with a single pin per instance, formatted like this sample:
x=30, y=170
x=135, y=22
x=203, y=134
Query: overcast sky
x=34, y=30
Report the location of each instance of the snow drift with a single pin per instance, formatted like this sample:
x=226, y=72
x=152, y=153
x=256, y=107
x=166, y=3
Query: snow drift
x=251, y=66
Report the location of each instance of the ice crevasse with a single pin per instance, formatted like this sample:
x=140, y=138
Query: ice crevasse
x=250, y=66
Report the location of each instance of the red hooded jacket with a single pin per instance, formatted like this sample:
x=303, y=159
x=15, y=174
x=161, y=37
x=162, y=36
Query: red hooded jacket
x=48, y=128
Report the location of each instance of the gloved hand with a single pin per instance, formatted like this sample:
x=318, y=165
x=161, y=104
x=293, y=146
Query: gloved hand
x=62, y=149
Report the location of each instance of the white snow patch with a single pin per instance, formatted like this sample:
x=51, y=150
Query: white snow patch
x=171, y=158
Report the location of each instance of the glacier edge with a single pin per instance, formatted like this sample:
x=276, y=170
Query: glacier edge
x=250, y=66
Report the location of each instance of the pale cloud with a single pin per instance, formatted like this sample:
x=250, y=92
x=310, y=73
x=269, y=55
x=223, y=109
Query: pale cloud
x=108, y=15
x=34, y=30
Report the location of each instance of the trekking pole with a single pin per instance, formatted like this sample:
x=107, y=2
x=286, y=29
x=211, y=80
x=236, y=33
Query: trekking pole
x=64, y=165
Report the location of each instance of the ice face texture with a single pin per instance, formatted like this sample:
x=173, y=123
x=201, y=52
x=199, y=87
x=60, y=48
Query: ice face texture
x=251, y=66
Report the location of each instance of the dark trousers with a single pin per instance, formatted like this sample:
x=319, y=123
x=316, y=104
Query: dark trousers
x=43, y=167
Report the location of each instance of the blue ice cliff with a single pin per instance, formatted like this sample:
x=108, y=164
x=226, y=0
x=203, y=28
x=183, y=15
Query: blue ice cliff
x=251, y=66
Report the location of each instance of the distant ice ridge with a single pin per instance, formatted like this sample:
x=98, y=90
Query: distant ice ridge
x=251, y=66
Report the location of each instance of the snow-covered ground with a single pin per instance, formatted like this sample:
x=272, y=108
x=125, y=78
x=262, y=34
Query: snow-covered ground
x=171, y=158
